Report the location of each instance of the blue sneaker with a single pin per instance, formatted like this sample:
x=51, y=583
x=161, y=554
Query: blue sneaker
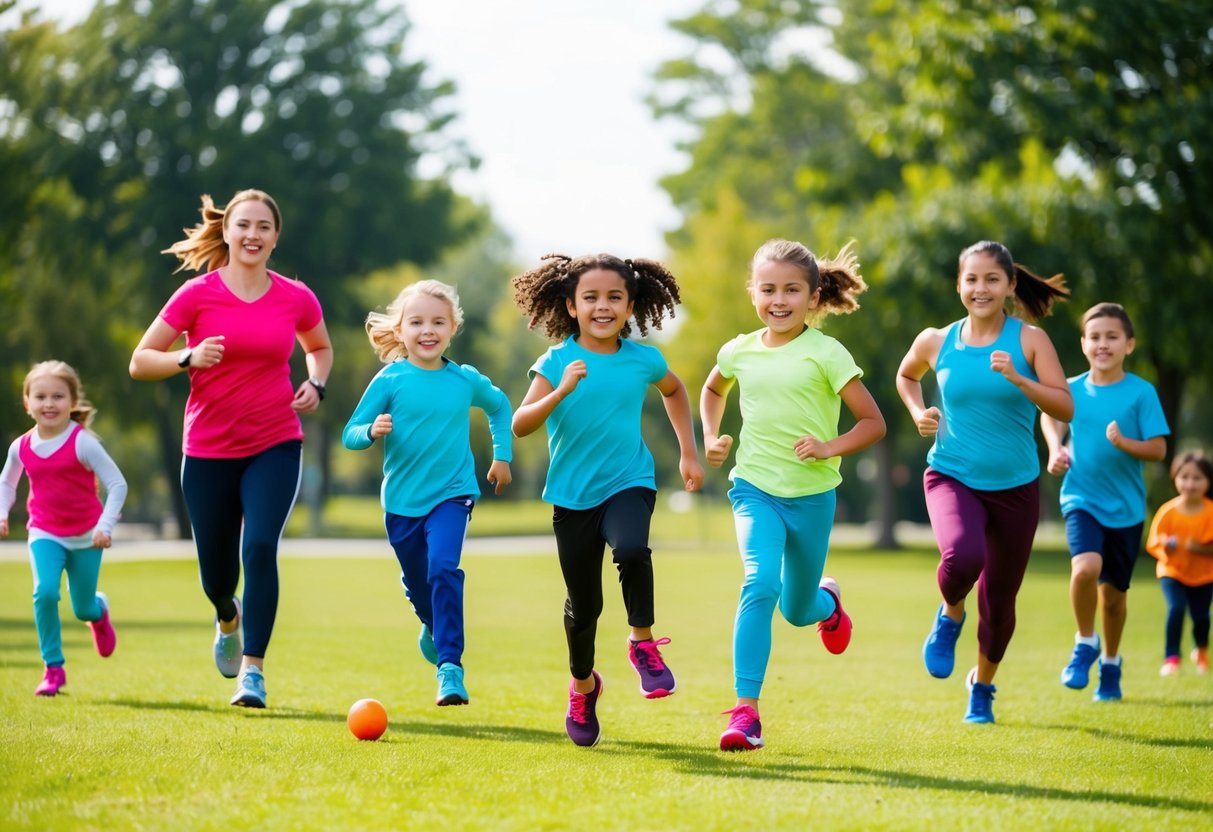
x=1109, y=683
x=250, y=689
x=939, y=651
x=1077, y=672
x=450, y=685
x=426, y=642
x=981, y=700
x=230, y=646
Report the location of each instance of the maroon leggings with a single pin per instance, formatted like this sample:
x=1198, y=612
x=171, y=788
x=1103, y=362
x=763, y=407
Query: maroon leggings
x=984, y=537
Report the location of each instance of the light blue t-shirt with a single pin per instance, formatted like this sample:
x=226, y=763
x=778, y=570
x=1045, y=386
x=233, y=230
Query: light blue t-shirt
x=1103, y=481
x=594, y=439
x=426, y=457
x=987, y=436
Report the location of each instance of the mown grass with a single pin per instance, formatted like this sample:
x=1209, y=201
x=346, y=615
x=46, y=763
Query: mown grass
x=145, y=739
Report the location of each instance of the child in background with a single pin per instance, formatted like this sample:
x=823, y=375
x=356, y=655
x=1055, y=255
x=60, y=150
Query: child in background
x=1118, y=424
x=982, y=481
x=418, y=404
x=68, y=526
x=1181, y=537
x=793, y=381
x=589, y=390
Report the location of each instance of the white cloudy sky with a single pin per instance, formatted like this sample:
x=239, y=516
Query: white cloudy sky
x=551, y=98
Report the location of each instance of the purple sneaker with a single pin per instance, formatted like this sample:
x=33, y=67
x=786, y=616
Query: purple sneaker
x=656, y=678
x=581, y=722
x=53, y=679
x=744, y=732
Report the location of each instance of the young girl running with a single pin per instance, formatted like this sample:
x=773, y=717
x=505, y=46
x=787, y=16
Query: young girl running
x=793, y=381
x=982, y=479
x=589, y=390
x=68, y=526
x=1181, y=538
x=418, y=405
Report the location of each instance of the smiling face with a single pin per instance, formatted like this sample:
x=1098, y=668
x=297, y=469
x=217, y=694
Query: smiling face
x=781, y=296
x=602, y=307
x=251, y=231
x=1105, y=344
x=49, y=402
x=426, y=329
x=983, y=286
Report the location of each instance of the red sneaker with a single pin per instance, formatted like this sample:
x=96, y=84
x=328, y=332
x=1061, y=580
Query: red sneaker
x=104, y=637
x=835, y=631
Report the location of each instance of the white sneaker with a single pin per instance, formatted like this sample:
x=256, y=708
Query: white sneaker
x=229, y=647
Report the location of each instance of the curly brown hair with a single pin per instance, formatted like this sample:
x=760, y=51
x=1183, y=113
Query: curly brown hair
x=543, y=292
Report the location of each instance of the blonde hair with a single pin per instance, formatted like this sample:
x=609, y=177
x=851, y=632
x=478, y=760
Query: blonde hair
x=204, y=248
x=838, y=277
x=382, y=328
x=82, y=409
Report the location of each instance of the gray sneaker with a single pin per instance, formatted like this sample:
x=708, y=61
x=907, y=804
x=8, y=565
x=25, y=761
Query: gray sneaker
x=229, y=647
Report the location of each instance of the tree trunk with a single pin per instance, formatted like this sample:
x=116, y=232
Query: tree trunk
x=1171, y=384
x=886, y=493
x=170, y=458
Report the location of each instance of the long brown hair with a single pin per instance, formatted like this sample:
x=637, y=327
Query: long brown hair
x=1034, y=295
x=204, y=248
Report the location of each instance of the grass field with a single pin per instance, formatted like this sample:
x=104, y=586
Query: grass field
x=145, y=739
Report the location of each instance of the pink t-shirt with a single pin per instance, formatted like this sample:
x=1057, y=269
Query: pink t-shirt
x=62, y=492
x=242, y=405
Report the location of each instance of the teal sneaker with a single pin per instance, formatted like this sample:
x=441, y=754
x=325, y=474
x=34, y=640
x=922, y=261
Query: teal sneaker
x=1109, y=682
x=1076, y=674
x=450, y=685
x=250, y=689
x=426, y=642
x=981, y=700
x=229, y=647
x=939, y=651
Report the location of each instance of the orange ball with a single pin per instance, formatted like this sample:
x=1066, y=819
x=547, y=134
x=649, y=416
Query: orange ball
x=367, y=719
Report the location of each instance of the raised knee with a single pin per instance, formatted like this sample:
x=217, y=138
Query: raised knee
x=631, y=554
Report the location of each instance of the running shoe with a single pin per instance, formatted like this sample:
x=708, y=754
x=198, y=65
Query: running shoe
x=581, y=721
x=250, y=689
x=426, y=642
x=981, y=700
x=1076, y=674
x=1170, y=667
x=939, y=651
x=1200, y=658
x=835, y=631
x=53, y=678
x=104, y=637
x=656, y=678
x=450, y=685
x=744, y=732
x=1109, y=682
x=229, y=647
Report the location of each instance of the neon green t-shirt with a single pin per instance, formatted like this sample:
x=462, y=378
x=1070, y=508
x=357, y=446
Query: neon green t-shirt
x=786, y=393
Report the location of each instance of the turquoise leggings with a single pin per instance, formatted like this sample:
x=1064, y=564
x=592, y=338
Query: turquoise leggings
x=49, y=559
x=783, y=543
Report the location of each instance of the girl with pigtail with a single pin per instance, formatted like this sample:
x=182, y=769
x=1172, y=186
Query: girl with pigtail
x=589, y=389
x=794, y=380
x=994, y=372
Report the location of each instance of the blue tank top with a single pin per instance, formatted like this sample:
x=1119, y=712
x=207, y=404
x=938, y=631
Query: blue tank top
x=987, y=434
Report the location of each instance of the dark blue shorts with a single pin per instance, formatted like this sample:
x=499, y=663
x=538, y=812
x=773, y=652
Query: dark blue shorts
x=1118, y=547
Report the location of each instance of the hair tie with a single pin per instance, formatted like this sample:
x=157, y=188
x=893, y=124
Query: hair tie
x=630, y=264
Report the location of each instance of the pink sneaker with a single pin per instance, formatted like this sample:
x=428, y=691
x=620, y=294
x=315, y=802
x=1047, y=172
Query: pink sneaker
x=1170, y=667
x=835, y=631
x=104, y=637
x=53, y=679
x=744, y=732
x=656, y=678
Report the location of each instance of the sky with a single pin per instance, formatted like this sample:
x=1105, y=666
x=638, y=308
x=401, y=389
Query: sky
x=551, y=98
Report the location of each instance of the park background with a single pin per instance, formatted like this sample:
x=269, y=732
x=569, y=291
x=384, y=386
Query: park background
x=463, y=148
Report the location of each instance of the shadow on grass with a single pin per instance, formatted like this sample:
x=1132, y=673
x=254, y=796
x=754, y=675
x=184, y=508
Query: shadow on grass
x=1137, y=739
x=723, y=764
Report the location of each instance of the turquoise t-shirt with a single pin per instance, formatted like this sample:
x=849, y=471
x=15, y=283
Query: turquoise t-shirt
x=987, y=436
x=787, y=392
x=594, y=439
x=426, y=457
x=1103, y=481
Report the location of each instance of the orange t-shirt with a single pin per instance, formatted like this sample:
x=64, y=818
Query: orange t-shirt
x=1184, y=566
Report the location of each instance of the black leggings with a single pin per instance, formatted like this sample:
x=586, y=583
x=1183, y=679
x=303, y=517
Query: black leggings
x=254, y=492
x=581, y=538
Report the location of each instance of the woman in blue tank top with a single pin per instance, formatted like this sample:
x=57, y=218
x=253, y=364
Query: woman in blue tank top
x=993, y=371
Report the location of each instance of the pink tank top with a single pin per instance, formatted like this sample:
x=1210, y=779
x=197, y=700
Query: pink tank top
x=63, y=497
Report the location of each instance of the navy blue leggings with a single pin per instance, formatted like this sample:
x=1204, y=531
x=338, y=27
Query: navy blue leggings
x=1182, y=598
x=254, y=494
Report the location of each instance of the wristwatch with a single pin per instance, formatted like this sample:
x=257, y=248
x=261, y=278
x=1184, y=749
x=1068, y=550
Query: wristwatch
x=183, y=360
x=318, y=384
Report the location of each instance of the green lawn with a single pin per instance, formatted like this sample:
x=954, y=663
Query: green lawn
x=145, y=739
